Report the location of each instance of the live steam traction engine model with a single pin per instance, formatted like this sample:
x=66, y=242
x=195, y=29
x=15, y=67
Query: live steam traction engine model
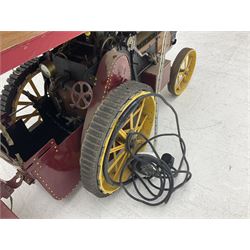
x=66, y=113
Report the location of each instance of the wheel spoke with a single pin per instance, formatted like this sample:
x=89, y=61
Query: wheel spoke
x=24, y=103
x=143, y=121
x=179, y=79
x=183, y=65
x=32, y=115
x=115, y=162
x=131, y=118
x=25, y=94
x=118, y=172
x=116, y=148
x=35, y=113
x=22, y=116
x=39, y=120
x=189, y=63
x=86, y=102
x=123, y=134
x=34, y=88
x=139, y=115
x=178, y=86
x=186, y=61
x=133, y=114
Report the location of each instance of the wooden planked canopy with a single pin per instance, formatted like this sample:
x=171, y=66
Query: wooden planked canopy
x=17, y=47
x=10, y=39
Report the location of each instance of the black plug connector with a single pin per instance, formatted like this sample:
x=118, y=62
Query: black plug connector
x=169, y=159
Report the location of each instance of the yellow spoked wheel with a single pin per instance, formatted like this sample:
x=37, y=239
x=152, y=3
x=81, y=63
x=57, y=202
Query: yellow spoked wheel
x=103, y=150
x=182, y=71
x=14, y=102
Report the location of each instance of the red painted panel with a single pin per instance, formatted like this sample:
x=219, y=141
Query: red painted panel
x=34, y=47
x=57, y=167
x=5, y=212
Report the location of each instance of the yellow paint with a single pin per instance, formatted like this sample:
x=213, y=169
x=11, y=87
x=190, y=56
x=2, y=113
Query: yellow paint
x=185, y=72
x=144, y=124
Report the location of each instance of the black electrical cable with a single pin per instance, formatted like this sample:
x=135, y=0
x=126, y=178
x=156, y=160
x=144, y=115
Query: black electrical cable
x=146, y=168
x=158, y=168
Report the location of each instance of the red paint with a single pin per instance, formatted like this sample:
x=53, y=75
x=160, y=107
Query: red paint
x=57, y=167
x=149, y=76
x=5, y=212
x=113, y=70
x=34, y=47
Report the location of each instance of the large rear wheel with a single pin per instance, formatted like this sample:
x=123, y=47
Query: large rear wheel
x=103, y=150
x=14, y=102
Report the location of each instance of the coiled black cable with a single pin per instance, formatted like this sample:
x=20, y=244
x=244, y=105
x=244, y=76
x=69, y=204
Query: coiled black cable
x=146, y=169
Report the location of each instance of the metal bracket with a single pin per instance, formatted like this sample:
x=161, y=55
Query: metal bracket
x=8, y=187
x=131, y=44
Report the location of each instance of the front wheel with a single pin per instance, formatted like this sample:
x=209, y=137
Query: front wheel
x=182, y=71
x=103, y=151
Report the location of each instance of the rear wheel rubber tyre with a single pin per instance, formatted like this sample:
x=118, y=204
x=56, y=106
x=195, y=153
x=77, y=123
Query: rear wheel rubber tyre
x=100, y=130
x=16, y=79
x=174, y=85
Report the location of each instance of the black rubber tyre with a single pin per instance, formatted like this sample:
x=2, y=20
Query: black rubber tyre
x=92, y=145
x=175, y=70
x=18, y=76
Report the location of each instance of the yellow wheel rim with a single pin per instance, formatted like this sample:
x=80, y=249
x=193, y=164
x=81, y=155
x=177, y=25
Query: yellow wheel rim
x=29, y=114
x=140, y=120
x=185, y=72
